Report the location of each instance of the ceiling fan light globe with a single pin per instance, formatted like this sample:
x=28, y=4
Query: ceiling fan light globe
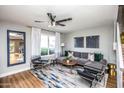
x=54, y=23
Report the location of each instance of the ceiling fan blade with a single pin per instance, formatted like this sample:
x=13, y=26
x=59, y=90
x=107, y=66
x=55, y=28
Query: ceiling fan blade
x=49, y=14
x=67, y=19
x=60, y=24
x=39, y=21
x=51, y=17
x=54, y=17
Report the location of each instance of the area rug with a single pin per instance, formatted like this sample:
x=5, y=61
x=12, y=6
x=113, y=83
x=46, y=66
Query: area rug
x=63, y=77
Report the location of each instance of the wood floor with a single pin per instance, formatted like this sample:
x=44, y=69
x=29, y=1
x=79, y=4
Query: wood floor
x=27, y=80
x=123, y=79
x=21, y=80
x=111, y=82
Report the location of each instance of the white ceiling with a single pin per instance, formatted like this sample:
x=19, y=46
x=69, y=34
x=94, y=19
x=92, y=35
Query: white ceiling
x=82, y=16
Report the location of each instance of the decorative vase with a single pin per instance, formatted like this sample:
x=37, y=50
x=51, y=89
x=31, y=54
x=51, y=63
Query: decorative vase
x=112, y=69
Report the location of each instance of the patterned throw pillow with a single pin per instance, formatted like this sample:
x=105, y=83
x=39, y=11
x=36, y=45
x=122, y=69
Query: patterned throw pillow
x=70, y=54
x=91, y=56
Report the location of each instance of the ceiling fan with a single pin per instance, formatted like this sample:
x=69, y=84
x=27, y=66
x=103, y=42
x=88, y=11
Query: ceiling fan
x=54, y=22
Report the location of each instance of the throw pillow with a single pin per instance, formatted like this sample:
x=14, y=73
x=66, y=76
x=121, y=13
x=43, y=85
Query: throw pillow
x=91, y=56
x=70, y=54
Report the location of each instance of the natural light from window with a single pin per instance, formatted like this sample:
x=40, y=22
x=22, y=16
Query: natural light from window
x=47, y=45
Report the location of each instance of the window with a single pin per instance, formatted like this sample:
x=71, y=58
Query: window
x=51, y=44
x=79, y=42
x=44, y=45
x=92, y=41
x=47, y=45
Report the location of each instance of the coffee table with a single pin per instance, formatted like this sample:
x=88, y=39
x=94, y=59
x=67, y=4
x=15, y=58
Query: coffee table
x=70, y=63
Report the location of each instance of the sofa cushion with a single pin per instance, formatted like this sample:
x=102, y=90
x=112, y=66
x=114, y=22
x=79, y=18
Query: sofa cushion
x=104, y=62
x=81, y=61
x=94, y=66
x=84, y=55
x=80, y=54
x=77, y=54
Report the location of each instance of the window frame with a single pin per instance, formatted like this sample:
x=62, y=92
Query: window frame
x=48, y=52
x=96, y=46
x=76, y=42
x=8, y=47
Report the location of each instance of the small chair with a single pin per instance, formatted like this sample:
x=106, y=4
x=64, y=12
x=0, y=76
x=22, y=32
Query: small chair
x=37, y=62
x=96, y=67
x=92, y=78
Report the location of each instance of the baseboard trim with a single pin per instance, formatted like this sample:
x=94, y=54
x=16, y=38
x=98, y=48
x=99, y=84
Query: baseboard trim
x=13, y=72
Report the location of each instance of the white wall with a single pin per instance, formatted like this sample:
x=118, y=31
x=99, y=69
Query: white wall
x=106, y=41
x=4, y=70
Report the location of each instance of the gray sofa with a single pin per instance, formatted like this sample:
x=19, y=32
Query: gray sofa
x=82, y=60
x=80, y=57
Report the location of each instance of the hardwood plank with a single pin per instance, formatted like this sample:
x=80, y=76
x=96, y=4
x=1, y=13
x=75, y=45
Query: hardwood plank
x=11, y=85
x=28, y=82
x=111, y=82
x=21, y=80
x=38, y=82
x=17, y=84
x=123, y=79
x=30, y=79
x=1, y=83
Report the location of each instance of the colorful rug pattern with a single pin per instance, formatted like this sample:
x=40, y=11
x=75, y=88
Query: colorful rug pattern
x=60, y=77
